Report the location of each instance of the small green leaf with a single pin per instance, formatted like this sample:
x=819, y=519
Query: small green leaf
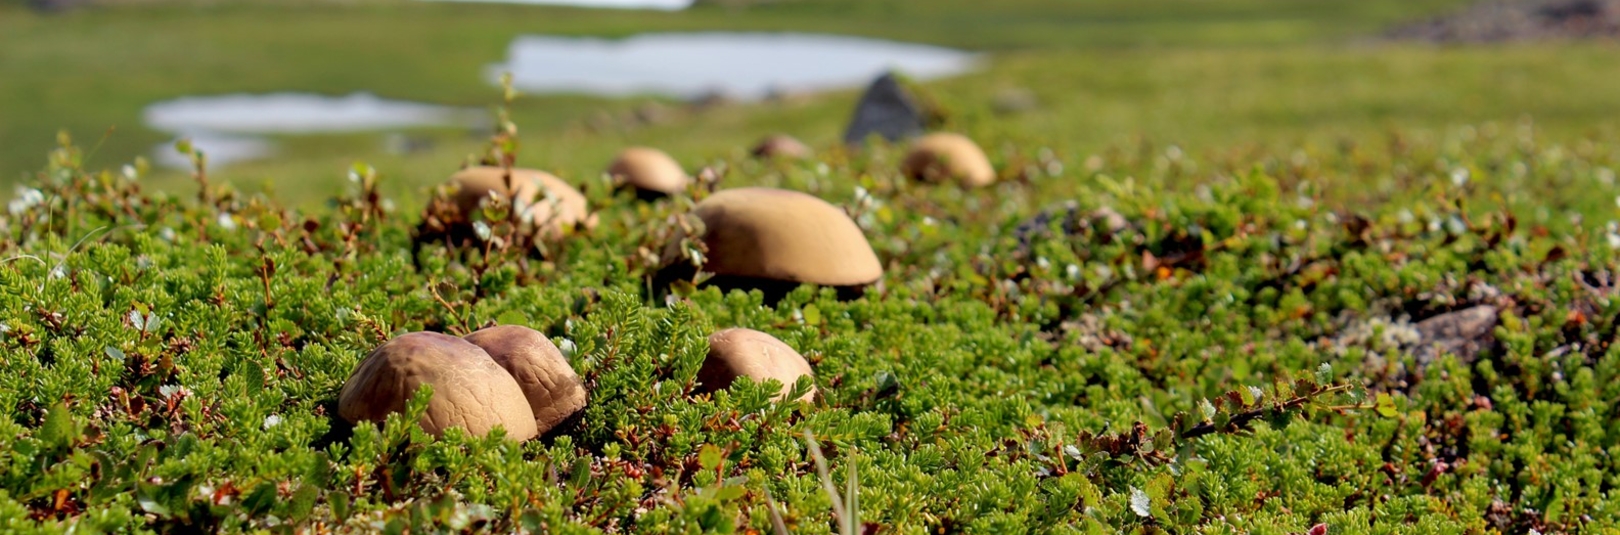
x=709, y=456
x=146, y=497
x=728, y=493
x=812, y=315
x=261, y=498
x=59, y=430
x=1249, y=395
x=1386, y=405
x=581, y=474
x=340, y=504
x=270, y=221
x=511, y=317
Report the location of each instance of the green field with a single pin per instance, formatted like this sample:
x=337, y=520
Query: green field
x=1201, y=75
x=1246, y=352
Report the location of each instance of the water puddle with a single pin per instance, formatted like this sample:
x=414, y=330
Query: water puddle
x=228, y=128
x=747, y=66
x=666, y=5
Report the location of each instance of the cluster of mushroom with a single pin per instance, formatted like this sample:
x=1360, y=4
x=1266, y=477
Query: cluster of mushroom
x=512, y=377
x=770, y=239
x=763, y=238
x=774, y=240
x=507, y=376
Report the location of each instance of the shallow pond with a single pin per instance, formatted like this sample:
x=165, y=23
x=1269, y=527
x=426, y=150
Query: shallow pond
x=748, y=66
x=738, y=65
x=226, y=127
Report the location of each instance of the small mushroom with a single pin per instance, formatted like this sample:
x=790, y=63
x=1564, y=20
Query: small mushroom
x=749, y=353
x=774, y=240
x=554, y=392
x=470, y=390
x=944, y=156
x=650, y=171
x=782, y=146
x=538, y=196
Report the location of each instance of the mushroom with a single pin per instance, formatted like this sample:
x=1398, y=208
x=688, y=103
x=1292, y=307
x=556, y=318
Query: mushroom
x=650, y=171
x=739, y=352
x=537, y=196
x=781, y=146
x=775, y=240
x=944, y=156
x=470, y=390
x=554, y=392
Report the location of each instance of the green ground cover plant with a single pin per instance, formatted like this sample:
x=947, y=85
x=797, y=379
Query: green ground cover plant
x=1216, y=344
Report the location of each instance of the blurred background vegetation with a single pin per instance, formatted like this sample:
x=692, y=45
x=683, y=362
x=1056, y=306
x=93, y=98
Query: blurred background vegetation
x=1103, y=73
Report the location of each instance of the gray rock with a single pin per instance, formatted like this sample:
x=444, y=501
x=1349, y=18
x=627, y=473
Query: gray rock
x=1463, y=333
x=885, y=110
x=1494, y=21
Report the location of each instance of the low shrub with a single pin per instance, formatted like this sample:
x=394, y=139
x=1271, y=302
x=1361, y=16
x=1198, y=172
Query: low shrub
x=1232, y=346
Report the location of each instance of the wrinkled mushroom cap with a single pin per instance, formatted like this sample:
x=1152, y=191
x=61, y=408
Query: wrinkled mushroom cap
x=944, y=156
x=553, y=390
x=782, y=146
x=783, y=235
x=545, y=199
x=648, y=169
x=470, y=390
x=749, y=353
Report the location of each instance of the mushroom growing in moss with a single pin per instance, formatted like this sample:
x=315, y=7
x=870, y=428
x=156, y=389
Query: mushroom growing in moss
x=537, y=196
x=775, y=240
x=782, y=146
x=944, y=157
x=739, y=352
x=650, y=171
x=470, y=390
x=554, y=392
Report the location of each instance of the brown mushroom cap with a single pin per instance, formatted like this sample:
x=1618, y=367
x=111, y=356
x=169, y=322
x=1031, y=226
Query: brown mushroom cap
x=944, y=156
x=782, y=235
x=648, y=169
x=749, y=353
x=782, y=146
x=470, y=390
x=545, y=199
x=553, y=390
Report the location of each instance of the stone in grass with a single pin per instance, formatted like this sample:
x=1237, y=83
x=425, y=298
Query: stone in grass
x=538, y=197
x=782, y=146
x=774, y=240
x=886, y=110
x=1463, y=333
x=651, y=172
x=948, y=157
x=553, y=390
x=739, y=352
x=1104, y=222
x=470, y=390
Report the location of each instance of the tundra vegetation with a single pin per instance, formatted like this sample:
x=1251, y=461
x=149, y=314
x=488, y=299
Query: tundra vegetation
x=1404, y=330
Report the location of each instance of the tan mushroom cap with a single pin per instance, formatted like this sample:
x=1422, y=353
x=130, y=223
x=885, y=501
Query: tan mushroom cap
x=648, y=169
x=739, y=352
x=945, y=156
x=470, y=390
x=553, y=389
x=782, y=146
x=784, y=235
x=547, y=200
